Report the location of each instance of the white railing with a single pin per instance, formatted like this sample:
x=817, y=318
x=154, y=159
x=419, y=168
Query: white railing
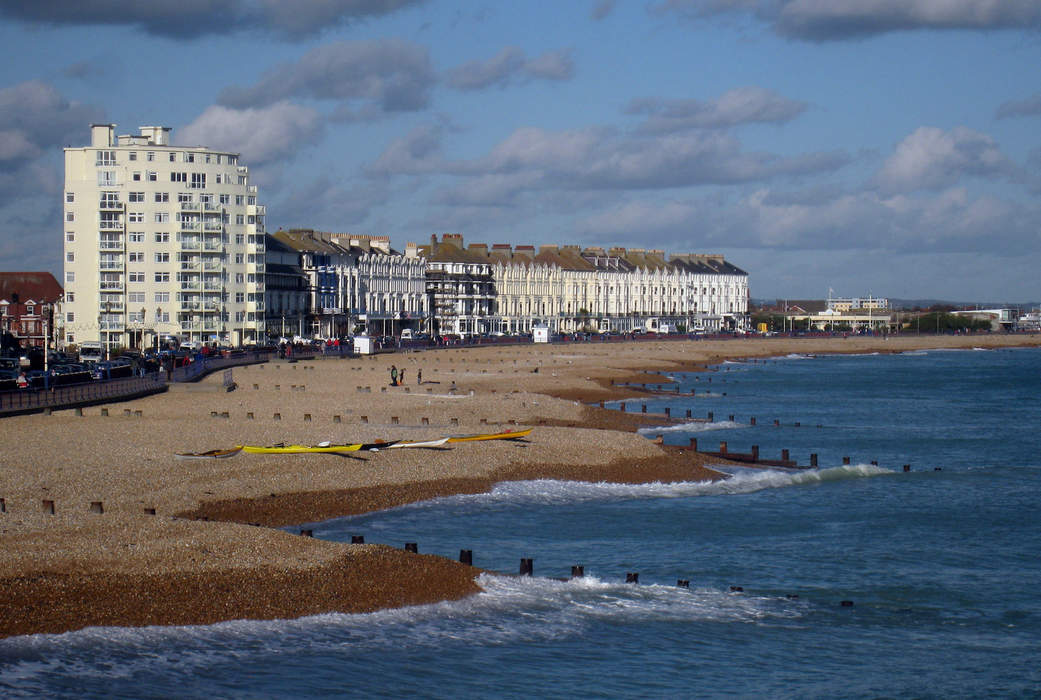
x=112, y=285
x=189, y=206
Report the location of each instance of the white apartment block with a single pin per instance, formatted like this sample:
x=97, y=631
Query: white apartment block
x=160, y=240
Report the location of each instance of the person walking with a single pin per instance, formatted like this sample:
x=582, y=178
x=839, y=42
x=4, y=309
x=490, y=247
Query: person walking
x=393, y=375
x=419, y=376
x=401, y=377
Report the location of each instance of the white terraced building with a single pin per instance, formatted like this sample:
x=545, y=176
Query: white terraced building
x=512, y=289
x=160, y=240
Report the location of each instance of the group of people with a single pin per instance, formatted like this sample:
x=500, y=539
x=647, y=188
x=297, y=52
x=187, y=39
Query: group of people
x=397, y=376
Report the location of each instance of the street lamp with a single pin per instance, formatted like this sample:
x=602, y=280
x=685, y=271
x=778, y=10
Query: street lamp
x=158, y=317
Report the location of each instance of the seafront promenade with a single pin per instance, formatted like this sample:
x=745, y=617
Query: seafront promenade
x=101, y=523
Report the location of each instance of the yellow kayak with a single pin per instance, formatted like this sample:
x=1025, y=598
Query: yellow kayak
x=300, y=449
x=506, y=435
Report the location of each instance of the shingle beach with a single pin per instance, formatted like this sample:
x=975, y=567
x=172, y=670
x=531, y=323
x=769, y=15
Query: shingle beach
x=138, y=536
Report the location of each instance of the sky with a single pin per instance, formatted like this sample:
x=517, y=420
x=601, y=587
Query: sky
x=882, y=147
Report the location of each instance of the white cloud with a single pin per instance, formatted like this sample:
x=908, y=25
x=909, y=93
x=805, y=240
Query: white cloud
x=189, y=19
x=744, y=105
x=1029, y=107
x=931, y=158
x=828, y=20
x=262, y=135
x=510, y=66
x=391, y=74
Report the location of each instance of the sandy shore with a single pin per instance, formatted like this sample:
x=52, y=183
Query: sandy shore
x=139, y=537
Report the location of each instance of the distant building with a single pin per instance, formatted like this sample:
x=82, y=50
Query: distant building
x=30, y=307
x=160, y=239
x=512, y=289
x=355, y=282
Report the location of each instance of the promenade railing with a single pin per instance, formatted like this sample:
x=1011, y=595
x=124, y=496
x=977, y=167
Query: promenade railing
x=83, y=394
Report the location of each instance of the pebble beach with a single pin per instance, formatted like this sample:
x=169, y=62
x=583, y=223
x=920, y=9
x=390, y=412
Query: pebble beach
x=103, y=524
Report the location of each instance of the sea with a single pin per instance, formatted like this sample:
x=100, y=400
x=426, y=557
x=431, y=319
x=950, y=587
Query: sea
x=858, y=580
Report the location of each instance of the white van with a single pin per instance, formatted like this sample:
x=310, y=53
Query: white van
x=91, y=351
x=406, y=334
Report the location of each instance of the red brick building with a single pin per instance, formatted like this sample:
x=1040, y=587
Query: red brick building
x=29, y=306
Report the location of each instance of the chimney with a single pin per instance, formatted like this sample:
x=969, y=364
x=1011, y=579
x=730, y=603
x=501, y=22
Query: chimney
x=156, y=135
x=102, y=135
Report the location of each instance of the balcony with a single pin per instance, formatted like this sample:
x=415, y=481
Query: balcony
x=213, y=226
x=117, y=265
x=210, y=206
x=111, y=245
x=110, y=205
x=213, y=246
x=110, y=285
x=190, y=226
x=190, y=245
x=189, y=206
x=106, y=225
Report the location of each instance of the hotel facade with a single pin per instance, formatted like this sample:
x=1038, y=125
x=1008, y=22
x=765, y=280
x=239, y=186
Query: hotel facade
x=160, y=240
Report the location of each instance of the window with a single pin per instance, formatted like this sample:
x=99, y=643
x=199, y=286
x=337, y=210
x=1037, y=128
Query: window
x=207, y=157
x=70, y=276
x=136, y=257
x=70, y=317
x=183, y=197
x=69, y=216
x=162, y=197
x=239, y=258
x=218, y=178
x=162, y=297
x=132, y=155
x=106, y=158
x=162, y=217
x=239, y=200
x=162, y=257
x=153, y=176
x=240, y=297
x=135, y=297
x=198, y=181
x=251, y=200
x=239, y=315
x=240, y=238
x=188, y=157
x=70, y=236
x=162, y=277
x=70, y=257
x=240, y=218
x=242, y=179
x=150, y=156
x=70, y=197
x=136, y=176
x=136, y=277
x=136, y=197
x=70, y=297
x=225, y=198
x=106, y=178
x=178, y=177
x=136, y=236
x=137, y=217
x=162, y=238
x=239, y=278
x=173, y=157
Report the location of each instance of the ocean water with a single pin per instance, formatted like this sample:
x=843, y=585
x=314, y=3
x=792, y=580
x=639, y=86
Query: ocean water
x=940, y=564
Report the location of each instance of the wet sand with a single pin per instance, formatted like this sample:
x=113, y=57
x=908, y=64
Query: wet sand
x=140, y=537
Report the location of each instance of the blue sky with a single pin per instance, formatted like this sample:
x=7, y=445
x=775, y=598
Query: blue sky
x=890, y=147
